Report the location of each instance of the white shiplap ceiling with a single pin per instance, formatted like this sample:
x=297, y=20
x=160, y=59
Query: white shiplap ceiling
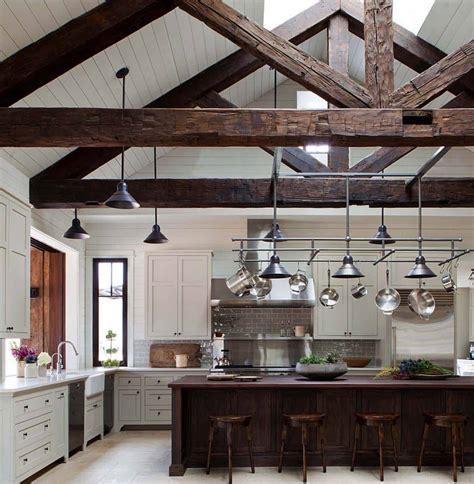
x=164, y=54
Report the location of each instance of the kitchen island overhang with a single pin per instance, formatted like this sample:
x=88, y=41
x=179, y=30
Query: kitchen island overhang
x=194, y=399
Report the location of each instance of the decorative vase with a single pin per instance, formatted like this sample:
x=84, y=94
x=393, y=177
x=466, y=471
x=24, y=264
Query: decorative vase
x=42, y=370
x=31, y=370
x=20, y=369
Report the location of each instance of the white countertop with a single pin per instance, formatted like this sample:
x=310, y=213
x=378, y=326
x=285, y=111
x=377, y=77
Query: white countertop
x=13, y=385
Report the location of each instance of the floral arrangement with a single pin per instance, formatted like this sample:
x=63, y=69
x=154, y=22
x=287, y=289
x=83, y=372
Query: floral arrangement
x=31, y=359
x=409, y=368
x=313, y=359
x=22, y=352
x=44, y=359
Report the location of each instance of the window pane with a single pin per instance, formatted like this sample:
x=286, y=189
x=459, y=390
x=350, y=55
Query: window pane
x=117, y=279
x=110, y=319
x=105, y=278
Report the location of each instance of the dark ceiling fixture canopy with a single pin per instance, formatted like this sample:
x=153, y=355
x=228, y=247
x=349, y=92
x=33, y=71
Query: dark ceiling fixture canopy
x=75, y=231
x=155, y=237
x=121, y=198
x=275, y=232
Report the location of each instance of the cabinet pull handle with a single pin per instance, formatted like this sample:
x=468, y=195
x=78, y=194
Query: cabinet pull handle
x=25, y=407
x=95, y=405
x=46, y=449
x=25, y=459
x=46, y=426
x=25, y=434
x=46, y=401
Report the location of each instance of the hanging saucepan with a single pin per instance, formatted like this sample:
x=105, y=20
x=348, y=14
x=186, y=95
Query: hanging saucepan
x=421, y=302
x=358, y=290
x=260, y=287
x=388, y=298
x=298, y=282
x=448, y=281
x=329, y=296
x=240, y=283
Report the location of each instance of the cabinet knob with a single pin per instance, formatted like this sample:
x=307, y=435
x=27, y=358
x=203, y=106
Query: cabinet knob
x=25, y=434
x=159, y=398
x=46, y=401
x=174, y=334
x=25, y=459
x=129, y=382
x=46, y=426
x=158, y=381
x=25, y=407
x=138, y=392
x=159, y=413
x=345, y=333
x=350, y=334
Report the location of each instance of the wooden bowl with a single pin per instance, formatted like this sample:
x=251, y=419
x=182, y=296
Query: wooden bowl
x=353, y=362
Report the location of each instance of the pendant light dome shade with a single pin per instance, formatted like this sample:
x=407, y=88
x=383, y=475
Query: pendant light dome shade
x=381, y=234
x=420, y=270
x=348, y=270
x=75, y=231
x=156, y=237
x=275, y=232
x=121, y=198
x=275, y=270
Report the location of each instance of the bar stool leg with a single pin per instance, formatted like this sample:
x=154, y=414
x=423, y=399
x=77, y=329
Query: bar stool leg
x=380, y=429
x=249, y=442
x=426, y=429
x=323, y=443
x=461, y=444
x=304, y=434
x=453, y=444
x=354, y=445
x=229, y=449
x=394, y=434
x=282, y=448
x=211, y=438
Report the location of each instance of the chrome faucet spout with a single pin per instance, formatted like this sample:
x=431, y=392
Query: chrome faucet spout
x=60, y=358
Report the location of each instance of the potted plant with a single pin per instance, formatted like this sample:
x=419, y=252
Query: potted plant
x=31, y=368
x=321, y=368
x=20, y=353
x=110, y=362
x=43, y=361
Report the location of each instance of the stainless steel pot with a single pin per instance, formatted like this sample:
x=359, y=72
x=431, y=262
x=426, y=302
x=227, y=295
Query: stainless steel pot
x=358, y=290
x=260, y=287
x=298, y=282
x=387, y=299
x=448, y=283
x=421, y=302
x=329, y=296
x=240, y=283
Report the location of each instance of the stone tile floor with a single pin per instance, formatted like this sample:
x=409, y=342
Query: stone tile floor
x=143, y=457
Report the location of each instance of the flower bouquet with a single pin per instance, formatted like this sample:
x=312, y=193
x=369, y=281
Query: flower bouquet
x=20, y=353
x=43, y=361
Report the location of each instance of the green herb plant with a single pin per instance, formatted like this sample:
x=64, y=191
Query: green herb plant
x=110, y=362
x=313, y=359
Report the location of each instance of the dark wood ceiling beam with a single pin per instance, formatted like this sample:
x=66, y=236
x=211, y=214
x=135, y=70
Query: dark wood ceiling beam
x=279, y=53
x=218, y=192
x=435, y=80
x=409, y=49
x=338, y=59
x=384, y=157
x=74, y=42
x=221, y=75
x=378, y=36
x=52, y=127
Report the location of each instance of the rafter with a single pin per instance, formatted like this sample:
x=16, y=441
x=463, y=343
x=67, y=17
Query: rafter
x=76, y=41
x=218, y=192
x=221, y=75
x=279, y=53
x=22, y=127
x=435, y=80
x=384, y=157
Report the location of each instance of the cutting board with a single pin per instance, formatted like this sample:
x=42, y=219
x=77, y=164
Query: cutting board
x=162, y=354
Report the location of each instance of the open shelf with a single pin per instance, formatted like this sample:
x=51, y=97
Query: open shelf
x=256, y=337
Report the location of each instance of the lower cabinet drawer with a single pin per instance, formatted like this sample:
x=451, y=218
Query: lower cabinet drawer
x=33, y=404
x=158, y=381
x=156, y=414
x=32, y=430
x=129, y=381
x=29, y=460
x=157, y=398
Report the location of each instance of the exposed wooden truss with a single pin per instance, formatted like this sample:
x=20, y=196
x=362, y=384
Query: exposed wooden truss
x=50, y=127
x=279, y=53
x=76, y=41
x=216, y=192
x=426, y=167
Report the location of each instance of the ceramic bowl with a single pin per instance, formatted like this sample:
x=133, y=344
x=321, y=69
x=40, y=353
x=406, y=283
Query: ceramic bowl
x=325, y=371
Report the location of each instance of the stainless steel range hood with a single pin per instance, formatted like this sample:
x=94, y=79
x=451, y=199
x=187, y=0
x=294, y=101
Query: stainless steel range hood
x=280, y=296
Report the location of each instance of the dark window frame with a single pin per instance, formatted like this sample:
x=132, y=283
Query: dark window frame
x=95, y=308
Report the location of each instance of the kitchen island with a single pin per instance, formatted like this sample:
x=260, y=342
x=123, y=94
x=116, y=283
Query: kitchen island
x=194, y=399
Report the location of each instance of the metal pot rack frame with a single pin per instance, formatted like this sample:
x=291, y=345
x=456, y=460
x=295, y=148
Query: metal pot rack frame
x=455, y=253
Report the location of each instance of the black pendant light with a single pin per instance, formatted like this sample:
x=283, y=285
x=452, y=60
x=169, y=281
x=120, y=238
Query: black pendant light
x=75, y=231
x=348, y=270
x=420, y=270
x=382, y=234
x=155, y=237
x=121, y=198
x=275, y=270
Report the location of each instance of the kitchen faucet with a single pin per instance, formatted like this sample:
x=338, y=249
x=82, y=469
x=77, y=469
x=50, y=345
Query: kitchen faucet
x=59, y=365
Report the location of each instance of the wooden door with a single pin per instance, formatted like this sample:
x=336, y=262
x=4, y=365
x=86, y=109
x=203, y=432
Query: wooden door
x=193, y=296
x=162, y=303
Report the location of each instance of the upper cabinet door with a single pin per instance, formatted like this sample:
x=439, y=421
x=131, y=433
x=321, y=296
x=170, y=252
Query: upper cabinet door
x=162, y=296
x=364, y=314
x=193, y=296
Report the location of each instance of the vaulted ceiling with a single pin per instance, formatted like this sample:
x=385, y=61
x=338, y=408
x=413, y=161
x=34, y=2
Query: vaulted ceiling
x=163, y=54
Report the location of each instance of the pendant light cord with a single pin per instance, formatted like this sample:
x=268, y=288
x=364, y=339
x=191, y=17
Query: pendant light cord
x=75, y=213
x=122, y=170
x=347, y=216
x=420, y=226
x=274, y=174
x=154, y=176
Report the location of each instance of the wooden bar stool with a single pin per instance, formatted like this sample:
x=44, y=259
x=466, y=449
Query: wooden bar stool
x=304, y=421
x=227, y=422
x=377, y=420
x=453, y=421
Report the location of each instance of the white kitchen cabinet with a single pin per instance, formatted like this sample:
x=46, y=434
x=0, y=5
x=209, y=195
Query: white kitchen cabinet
x=178, y=295
x=14, y=268
x=93, y=418
x=129, y=405
x=61, y=423
x=350, y=317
